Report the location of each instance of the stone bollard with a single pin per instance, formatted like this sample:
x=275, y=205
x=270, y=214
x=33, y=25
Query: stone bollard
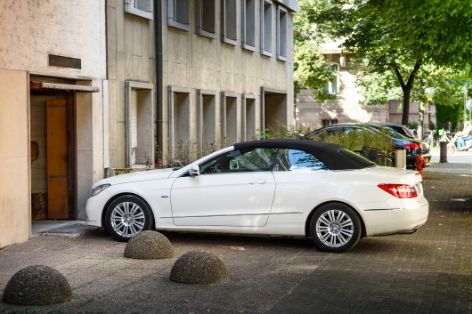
x=199, y=267
x=443, y=152
x=37, y=285
x=149, y=244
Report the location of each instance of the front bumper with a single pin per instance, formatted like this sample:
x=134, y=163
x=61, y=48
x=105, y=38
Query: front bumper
x=94, y=209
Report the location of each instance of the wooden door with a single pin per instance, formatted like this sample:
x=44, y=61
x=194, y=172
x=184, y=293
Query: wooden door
x=57, y=159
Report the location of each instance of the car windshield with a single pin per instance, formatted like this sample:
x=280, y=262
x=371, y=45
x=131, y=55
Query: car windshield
x=391, y=132
x=402, y=130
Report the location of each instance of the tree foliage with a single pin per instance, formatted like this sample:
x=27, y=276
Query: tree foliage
x=311, y=71
x=400, y=39
x=378, y=88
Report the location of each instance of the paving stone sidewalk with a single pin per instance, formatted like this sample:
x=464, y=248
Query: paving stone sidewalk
x=427, y=272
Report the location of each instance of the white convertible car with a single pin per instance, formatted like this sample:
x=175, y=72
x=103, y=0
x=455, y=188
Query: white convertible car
x=274, y=187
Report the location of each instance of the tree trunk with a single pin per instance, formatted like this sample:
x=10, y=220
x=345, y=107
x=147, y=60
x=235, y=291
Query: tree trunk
x=406, y=88
x=406, y=104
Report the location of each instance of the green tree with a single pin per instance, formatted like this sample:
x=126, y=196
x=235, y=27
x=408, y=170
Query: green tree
x=400, y=38
x=311, y=71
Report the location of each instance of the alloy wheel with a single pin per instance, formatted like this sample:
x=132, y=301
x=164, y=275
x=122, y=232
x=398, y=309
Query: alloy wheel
x=334, y=228
x=127, y=219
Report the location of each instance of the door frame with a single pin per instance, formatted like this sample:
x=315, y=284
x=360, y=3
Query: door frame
x=70, y=98
x=72, y=152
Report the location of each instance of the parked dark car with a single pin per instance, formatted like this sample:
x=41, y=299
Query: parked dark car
x=405, y=132
x=396, y=127
x=412, y=146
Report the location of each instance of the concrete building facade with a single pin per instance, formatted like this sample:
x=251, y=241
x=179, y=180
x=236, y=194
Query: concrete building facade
x=188, y=77
x=227, y=72
x=93, y=84
x=52, y=82
x=131, y=69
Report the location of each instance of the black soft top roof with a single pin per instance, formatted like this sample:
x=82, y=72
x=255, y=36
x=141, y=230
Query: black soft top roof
x=327, y=153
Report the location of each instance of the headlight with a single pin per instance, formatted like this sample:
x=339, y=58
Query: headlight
x=100, y=189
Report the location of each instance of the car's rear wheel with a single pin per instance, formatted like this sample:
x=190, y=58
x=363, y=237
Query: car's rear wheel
x=335, y=227
x=127, y=216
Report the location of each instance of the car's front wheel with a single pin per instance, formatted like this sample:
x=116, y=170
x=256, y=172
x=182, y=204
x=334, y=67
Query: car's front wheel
x=126, y=216
x=335, y=227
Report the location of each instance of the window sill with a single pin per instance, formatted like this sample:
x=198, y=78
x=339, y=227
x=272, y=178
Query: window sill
x=132, y=10
x=177, y=25
x=206, y=34
x=248, y=47
x=282, y=58
x=229, y=41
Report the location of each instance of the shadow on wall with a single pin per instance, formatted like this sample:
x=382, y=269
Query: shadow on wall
x=313, y=115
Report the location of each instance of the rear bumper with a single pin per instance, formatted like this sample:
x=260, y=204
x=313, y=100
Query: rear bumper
x=406, y=219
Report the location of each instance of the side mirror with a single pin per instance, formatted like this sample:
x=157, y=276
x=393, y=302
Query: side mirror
x=194, y=171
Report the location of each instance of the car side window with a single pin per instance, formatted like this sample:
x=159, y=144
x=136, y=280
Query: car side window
x=257, y=159
x=297, y=160
x=332, y=131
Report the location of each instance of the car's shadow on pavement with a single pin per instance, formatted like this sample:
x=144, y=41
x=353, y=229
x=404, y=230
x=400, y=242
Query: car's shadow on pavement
x=204, y=241
x=240, y=240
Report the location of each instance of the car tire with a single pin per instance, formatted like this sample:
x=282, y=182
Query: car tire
x=126, y=216
x=335, y=227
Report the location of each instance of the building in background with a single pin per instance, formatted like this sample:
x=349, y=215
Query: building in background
x=348, y=106
x=52, y=78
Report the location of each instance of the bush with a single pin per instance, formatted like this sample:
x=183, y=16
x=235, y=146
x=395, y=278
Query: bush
x=375, y=146
x=284, y=132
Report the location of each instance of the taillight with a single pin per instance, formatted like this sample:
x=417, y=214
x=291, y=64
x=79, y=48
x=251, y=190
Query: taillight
x=412, y=146
x=399, y=190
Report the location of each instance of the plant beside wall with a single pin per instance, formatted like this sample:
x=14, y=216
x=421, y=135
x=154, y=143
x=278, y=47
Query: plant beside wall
x=375, y=146
x=283, y=131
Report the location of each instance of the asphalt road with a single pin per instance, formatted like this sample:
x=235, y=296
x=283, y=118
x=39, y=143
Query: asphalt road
x=457, y=157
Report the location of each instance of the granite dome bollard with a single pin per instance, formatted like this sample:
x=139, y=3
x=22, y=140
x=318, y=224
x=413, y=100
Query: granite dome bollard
x=199, y=267
x=37, y=285
x=149, y=245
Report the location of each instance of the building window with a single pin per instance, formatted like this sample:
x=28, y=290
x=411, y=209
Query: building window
x=327, y=122
x=230, y=21
x=333, y=85
x=266, y=27
x=249, y=117
x=207, y=122
x=179, y=123
x=178, y=14
x=230, y=126
x=249, y=24
x=206, y=10
x=142, y=8
x=139, y=124
x=282, y=33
